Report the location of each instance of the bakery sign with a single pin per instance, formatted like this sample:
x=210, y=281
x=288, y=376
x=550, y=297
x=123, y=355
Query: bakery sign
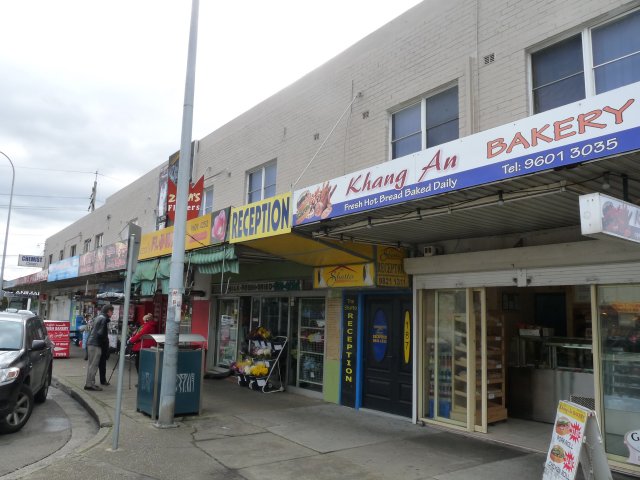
x=602, y=216
x=596, y=127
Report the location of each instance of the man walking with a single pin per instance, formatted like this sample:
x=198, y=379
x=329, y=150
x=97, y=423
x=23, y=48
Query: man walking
x=97, y=340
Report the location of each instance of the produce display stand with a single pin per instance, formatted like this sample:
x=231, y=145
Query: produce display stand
x=272, y=381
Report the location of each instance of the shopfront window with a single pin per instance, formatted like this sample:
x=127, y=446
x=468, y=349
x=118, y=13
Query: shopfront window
x=227, y=342
x=619, y=316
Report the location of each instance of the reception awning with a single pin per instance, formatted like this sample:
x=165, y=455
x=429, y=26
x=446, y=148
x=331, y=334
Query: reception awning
x=305, y=250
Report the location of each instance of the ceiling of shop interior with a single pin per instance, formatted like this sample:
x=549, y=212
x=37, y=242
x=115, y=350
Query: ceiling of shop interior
x=534, y=202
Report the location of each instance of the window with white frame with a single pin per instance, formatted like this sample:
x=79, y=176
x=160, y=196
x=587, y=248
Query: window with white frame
x=50, y=258
x=87, y=245
x=597, y=60
x=72, y=251
x=261, y=182
x=430, y=122
x=207, y=201
x=61, y=255
x=98, y=243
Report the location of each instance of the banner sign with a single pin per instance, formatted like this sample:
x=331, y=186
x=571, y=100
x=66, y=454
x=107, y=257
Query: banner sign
x=30, y=261
x=349, y=350
x=64, y=269
x=200, y=232
x=597, y=127
x=602, y=216
x=261, y=219
x=390, y=268
x=340, y=276
x=194, y=202
x=59, y=334
x=115, y=256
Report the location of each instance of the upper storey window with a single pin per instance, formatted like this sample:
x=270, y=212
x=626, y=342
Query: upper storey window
x=594, y=61
x=430, y=122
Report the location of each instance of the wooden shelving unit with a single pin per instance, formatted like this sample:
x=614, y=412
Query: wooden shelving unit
x=496, y=369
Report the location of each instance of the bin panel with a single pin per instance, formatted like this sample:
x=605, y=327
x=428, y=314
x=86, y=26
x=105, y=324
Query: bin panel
x=188, y=381
x=146, y=380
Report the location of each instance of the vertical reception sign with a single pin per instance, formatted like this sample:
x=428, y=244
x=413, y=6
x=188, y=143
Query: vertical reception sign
x=349, y=350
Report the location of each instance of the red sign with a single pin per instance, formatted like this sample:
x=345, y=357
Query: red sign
x=195, y=199
x=59, y=335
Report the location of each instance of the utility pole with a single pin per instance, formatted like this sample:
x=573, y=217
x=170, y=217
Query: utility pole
x=6, y=235
x=92, y=199
x=176, y=281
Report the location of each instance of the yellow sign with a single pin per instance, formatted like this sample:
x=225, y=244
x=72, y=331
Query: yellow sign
x=573, y=412
x=390, y=268
x=407, y=337
x=159, y=243
x=338, y=276
x=261, y=219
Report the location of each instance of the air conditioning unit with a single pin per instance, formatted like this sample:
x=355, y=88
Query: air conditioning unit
x=431, y=250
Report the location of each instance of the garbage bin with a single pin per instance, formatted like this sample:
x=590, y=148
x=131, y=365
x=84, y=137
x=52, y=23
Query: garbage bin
x=188, y=376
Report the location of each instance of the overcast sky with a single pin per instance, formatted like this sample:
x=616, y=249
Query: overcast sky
x=92, y=86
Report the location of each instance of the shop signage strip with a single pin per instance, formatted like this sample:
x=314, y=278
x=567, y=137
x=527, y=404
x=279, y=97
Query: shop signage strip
x=204, y=231
x=597, y=127
x=602, y=216
x=348, y=381
x=64, y=269
x=261, y=219
x=341, y=276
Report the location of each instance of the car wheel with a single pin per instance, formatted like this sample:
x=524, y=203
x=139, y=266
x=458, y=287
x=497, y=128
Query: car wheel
x=41, y=396
x=17, y=419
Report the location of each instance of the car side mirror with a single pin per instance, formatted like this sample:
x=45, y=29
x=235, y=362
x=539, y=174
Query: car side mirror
x=38, y=345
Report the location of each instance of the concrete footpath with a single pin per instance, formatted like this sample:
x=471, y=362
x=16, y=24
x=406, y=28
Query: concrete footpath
x=243, y=434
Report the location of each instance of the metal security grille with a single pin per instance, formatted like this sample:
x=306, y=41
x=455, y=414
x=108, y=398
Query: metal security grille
x=587, y=402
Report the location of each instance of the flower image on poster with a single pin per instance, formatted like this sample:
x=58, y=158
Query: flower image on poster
x=219, y=228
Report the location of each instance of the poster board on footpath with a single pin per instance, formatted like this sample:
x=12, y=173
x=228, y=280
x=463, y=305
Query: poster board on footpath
x=576, y=440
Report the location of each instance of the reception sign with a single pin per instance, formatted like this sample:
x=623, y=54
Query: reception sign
x=602, y=216
x=597, y=127
x=390, y=268
x=261, y=219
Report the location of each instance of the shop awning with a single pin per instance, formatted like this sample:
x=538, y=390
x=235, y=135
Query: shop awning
x=313, y=252
x=213, y=260
x=154, y=273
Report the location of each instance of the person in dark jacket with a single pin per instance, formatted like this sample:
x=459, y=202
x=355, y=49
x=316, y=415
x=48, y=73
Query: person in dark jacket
x=97, y=340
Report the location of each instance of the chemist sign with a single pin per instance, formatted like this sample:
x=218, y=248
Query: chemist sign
x=30, y=261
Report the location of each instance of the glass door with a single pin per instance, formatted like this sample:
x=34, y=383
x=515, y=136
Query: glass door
x=227, y=338
x=450, y=357
x=480, y=389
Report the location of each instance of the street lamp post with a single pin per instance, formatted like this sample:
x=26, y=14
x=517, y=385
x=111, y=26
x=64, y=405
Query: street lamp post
x=6, y=235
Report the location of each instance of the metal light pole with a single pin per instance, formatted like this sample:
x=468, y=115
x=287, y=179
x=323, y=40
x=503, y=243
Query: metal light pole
x=6, y=235
x=176, y=281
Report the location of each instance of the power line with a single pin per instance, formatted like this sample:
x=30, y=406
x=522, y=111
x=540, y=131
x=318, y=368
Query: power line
x=70, y=171
x=44, y=196
x=36, y=207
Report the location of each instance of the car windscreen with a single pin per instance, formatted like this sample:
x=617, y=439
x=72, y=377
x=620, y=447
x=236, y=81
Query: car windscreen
x=10, y=335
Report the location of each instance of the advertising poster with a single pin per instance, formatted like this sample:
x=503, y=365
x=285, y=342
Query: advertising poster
x=59, y=334
x=390, y=268
x=566, y=442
